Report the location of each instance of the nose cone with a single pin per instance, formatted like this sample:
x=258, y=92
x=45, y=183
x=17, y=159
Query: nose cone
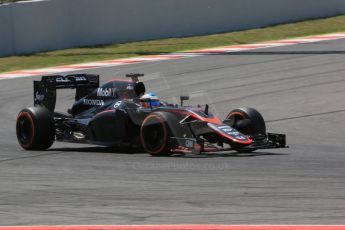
x=230, y=133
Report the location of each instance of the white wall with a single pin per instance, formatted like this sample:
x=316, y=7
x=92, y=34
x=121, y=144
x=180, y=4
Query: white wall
x=27, y=27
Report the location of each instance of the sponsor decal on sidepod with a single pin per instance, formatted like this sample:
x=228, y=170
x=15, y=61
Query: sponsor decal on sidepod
x=93, y=102
x=105, y=92
x=39, y=97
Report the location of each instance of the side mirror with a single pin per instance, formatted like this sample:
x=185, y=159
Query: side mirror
x=183, y=98
x=206, y=109
x=139, y=89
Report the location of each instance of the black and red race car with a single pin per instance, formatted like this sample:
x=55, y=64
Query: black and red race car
x=114, y=115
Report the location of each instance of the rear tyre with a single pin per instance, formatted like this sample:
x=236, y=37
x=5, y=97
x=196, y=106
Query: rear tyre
x=155, y=135
x=35, y=128
x=249, y=122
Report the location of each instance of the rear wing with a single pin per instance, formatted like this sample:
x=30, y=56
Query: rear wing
x=45, y=89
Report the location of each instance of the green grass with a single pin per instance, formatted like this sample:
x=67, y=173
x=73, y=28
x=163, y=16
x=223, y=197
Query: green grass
x=88, y=54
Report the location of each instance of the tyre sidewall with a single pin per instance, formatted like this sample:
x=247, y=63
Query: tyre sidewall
x=257, y=123
x=43, y=129
x=164, y=148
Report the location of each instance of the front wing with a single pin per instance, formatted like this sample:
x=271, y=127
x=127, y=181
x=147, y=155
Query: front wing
x=192, y=145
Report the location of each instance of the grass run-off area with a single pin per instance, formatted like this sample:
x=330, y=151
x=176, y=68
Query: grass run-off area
x=161, y=46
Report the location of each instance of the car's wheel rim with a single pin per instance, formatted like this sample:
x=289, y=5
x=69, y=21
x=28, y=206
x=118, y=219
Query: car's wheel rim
x=235, y=118
x=154, y=135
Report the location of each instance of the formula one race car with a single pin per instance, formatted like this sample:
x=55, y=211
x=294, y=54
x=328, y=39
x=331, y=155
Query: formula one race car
x=118, y=114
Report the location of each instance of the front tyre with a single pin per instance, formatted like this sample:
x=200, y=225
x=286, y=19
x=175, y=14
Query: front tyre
x=155, y=135
x=35, y=128
x=249, y=122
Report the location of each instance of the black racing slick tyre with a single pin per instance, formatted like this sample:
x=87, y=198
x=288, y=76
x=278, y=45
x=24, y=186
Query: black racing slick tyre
x=155, y=135
x=249, y=122
x=35, y=128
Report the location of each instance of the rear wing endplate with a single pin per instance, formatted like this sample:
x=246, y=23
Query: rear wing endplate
x=45, y=89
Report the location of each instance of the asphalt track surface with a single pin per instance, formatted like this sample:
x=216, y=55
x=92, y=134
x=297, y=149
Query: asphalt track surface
x=300, y=90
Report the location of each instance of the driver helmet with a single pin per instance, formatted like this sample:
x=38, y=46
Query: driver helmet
x=149, y=99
